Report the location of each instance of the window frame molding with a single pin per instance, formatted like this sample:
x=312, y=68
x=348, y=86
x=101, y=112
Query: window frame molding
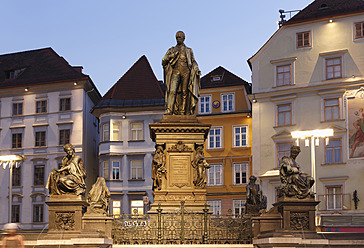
x=331, y=55
x=112, y=170
x=247, y=143
x=334, y=184
x=222, y=102
x=310, y=40
x=246, y=172
x=130, y=169
x=291, y=102
x=210, y=104
x=354, y=33
x=221, y=138
x=221, y=175
x=130, y=130
x=46, y=106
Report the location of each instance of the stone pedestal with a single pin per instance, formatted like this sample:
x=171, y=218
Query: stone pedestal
x=93, y=222
x=65, y=213
x=298, y=214
x=179, y=134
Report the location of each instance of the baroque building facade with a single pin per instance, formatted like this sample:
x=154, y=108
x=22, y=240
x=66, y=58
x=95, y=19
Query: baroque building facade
x=125, y=147
x=309, y=76
x=44, y=104
x=224, y=104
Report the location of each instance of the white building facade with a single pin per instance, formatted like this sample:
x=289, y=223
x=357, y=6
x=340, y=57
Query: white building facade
x=125, y=148
x=42, y=109
x=308, y=76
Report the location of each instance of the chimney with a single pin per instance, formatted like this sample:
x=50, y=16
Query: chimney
x=78, y=68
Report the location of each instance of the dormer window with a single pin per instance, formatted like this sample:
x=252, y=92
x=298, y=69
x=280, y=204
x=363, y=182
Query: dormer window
x=216, y=78
x=13, y=73
x=323, y=6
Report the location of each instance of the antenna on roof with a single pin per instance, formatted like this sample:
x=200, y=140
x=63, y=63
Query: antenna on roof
x=282, y=16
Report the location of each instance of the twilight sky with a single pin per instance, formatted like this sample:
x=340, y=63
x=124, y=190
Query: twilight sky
x=108, y=37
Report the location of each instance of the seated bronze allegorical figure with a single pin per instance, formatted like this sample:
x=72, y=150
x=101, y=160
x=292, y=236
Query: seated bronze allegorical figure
x=70, y=179
x=293, y=183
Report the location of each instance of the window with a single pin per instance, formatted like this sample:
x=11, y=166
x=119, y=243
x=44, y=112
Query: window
x=16, y=140
x=333, y=68
x=136, y=167
x=39, y=175
x=115, y=132
x=64, y=136
x=18, y=108
x=15, y=213
x=215, y=137
x=284, y=114
x=333, y=152
x=240, y=173
x=214, y=175
x=40, y=138
x=116, y=209
x=303, y=39
x=332, y=109
x=13, y=73
x=205, y=105
x=38, y=213
x=215, y=207
x=115, y=170
x=137, y=207
x=227, y=102
x=16, y=176
x=239, y=206
x=284, y=75
x=106, y=169
x=334, y=197
x=240, y=136
x=64, y=104
x=283, y=149
x=41, y=106
x=359, y=30
x=106, y=132
x=136, y=129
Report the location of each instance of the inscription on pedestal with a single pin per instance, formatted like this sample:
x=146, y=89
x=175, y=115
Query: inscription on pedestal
x=179, y=170
x=65, y=221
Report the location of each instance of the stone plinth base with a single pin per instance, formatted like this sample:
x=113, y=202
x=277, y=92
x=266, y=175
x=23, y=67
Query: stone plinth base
x=89, y=242
x=298, y=214
x=93, y=222
x=179, y=135
x=65, y=213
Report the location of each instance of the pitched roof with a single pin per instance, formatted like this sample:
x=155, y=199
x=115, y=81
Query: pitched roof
x=36, y=67
x=137, y=87
x=220, y=77
x=327, y=8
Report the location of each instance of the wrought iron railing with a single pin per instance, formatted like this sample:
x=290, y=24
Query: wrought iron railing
x=182, y=227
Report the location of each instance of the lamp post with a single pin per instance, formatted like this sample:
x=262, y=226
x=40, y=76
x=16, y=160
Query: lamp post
x=11, y=160
x=314, y=136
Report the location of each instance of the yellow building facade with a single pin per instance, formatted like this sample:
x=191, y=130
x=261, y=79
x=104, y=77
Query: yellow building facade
x=224, y=104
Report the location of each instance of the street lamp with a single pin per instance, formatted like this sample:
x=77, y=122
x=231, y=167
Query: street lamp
x=11, y=160
x=315, y=136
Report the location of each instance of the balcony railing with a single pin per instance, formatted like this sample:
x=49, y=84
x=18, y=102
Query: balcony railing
x=334, y=202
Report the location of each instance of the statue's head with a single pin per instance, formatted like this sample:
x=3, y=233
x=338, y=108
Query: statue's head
x=69, y=149
x=180, y=37
x=295, y=150
x=253, y=179
x=159, y=148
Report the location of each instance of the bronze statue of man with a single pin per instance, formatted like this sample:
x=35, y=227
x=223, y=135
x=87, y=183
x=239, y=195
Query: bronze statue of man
x=182, y=78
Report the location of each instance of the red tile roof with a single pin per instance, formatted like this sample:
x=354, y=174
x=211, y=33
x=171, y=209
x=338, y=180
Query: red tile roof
x=41, y=66
x=138, y=83
x=327, y=8
x=226, y=79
